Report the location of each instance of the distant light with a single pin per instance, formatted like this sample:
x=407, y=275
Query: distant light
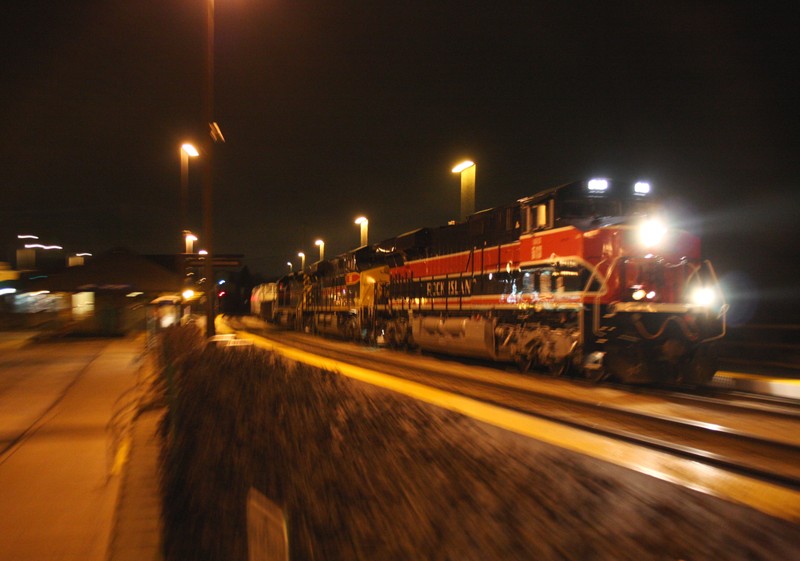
x=651, y=295
x=202, y=252
x=4, y=291
x=191, y=238
x=40, y=246
x=222, y=293
x=83, y=255
x=27, y=237
x=463, y=165
x=319, y=242
x=362, y=220
x=133, y=294
x=301, y=254
x=221, y=281
x=187, y=294
x=598, y=185
x=638, y=294
x=641, y=188
x=190, y=150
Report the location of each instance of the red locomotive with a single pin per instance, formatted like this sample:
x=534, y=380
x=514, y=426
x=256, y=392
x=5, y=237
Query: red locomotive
x=582, y=278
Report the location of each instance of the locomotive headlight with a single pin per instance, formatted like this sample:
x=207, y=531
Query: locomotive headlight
x=597, y=185
x=652, y=232
x=703, y=296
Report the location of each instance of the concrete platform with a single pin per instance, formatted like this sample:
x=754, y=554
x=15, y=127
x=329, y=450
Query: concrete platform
x=137, y=526
x=755, y=383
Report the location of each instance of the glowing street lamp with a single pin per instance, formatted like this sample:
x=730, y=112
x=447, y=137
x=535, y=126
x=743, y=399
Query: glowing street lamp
x=467, y=171
x=187, y=151
x=362, y=220
x=189, y=238
x=321, y=245
x=302, y=257
x=289, y=263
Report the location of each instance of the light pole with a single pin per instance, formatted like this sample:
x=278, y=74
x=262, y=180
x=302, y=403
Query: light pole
x=186, y=151
x=467, y=171
x=289, y=263
x=208, y=175
x=321, y=245
x=362, y=220
x=302, y=257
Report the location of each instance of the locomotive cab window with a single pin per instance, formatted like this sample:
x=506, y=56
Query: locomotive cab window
x=535, y=217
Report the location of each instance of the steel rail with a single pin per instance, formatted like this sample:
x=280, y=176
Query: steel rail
x=767, y=459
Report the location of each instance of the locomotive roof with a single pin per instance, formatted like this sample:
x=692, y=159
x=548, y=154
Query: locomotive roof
x=615, y=190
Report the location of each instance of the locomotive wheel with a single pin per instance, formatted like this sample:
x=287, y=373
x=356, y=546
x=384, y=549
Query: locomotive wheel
x=524, y=363
x=559, y=368
x=350, y=331
x=628, y=365
x=390, y=334
x=595, y=374
x=700, y=369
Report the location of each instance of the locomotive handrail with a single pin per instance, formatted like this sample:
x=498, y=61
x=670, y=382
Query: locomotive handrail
x=723, y=312
x=599, y=293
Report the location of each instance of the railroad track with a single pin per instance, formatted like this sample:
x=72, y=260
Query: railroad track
x=743, y=434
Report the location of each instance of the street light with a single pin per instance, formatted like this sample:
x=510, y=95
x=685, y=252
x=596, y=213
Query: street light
x=289, y=263
x=467, y=171
x=302, y=257
x=362, y=220
x=186, y=151
x=321, y=245
x=189, y=238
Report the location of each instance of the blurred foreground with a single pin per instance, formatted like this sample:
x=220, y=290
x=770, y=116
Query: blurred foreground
x=362, y=473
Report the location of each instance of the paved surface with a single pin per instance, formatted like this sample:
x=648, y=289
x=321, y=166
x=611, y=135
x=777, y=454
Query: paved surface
x=66, y=492
x=137, y=530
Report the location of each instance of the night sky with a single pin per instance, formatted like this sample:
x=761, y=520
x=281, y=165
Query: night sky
x=332, y=109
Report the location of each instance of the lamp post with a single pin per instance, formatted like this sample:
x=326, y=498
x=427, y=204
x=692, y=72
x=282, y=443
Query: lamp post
x=362, y=220
x=186, y=151
x=302, y=257
x=291, y=267
x=467, y=171
x=208, y=175
x=321, y=245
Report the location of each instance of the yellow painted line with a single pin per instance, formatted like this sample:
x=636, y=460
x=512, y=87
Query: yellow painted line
x=756, y=377
x=765, y=497
x=781, y=387
x=122, y=455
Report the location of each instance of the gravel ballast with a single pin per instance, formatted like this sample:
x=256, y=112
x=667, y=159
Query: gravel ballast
x=364, y=473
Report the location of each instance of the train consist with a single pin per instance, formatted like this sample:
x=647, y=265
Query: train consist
x=581, y=277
